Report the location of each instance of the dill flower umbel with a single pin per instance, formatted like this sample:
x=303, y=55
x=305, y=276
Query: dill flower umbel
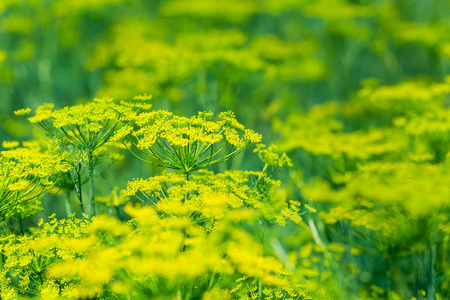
x=187, y=144
x=209, y=198
x=83, y=130
x=25, y=174
x=10, y=144
x=85, y=126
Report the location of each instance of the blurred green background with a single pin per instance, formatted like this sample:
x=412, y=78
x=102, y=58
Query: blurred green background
x=261, y=58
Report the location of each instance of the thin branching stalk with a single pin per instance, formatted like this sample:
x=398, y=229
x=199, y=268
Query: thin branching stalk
x=67, y=203
x=93, y=211
x=77, y=183
x=431, y=254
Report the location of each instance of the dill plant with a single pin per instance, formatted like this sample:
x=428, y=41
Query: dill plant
x=26, y=174
x=198, y=217
x=101, y=257
x=207, y=198
x=104, y=258
x=82, y=130
x=186, y=144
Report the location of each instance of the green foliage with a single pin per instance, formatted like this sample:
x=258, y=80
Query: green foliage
x=187, y=144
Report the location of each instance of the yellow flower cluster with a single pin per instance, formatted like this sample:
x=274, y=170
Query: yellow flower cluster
x=10, y=144
x=404, y=99
x=208, y=198
x=86, y=126
x=81, y=133
x=187, y=144
x=379, y=165
x=201, y=218
x=76, y=258
x=341, y=151
x=181, y=57
x=115, y=199
x=271, y=158
x=376, y=167
x=26, y=173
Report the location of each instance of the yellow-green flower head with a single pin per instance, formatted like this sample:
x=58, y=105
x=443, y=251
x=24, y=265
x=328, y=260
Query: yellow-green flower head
x=269, y=156
x=216, y=196
x=88, y=126
x=43, y=112
x=143, y=97
x=26, y=173
x=19, y=185
x=103, y=100
x=10, y=144
x=229, y=119
x=115, y=199
x=22, y=112
x=121, y=133
x=188, y=143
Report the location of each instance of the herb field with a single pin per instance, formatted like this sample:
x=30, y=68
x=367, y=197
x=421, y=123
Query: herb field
x=222, y=149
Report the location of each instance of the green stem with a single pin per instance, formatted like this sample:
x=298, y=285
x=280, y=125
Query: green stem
x=327, y=255
x=260, y=176
x=1, y=260
x=67, y=202
x=261, y=222
x=116, y=213
x=388, y=277
x=431, y=289
x=78, y=188
x=41, y=281
x=186, y=196
x=168, y=151
x=93, y=211
x=21, y=226
x=259, y=289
